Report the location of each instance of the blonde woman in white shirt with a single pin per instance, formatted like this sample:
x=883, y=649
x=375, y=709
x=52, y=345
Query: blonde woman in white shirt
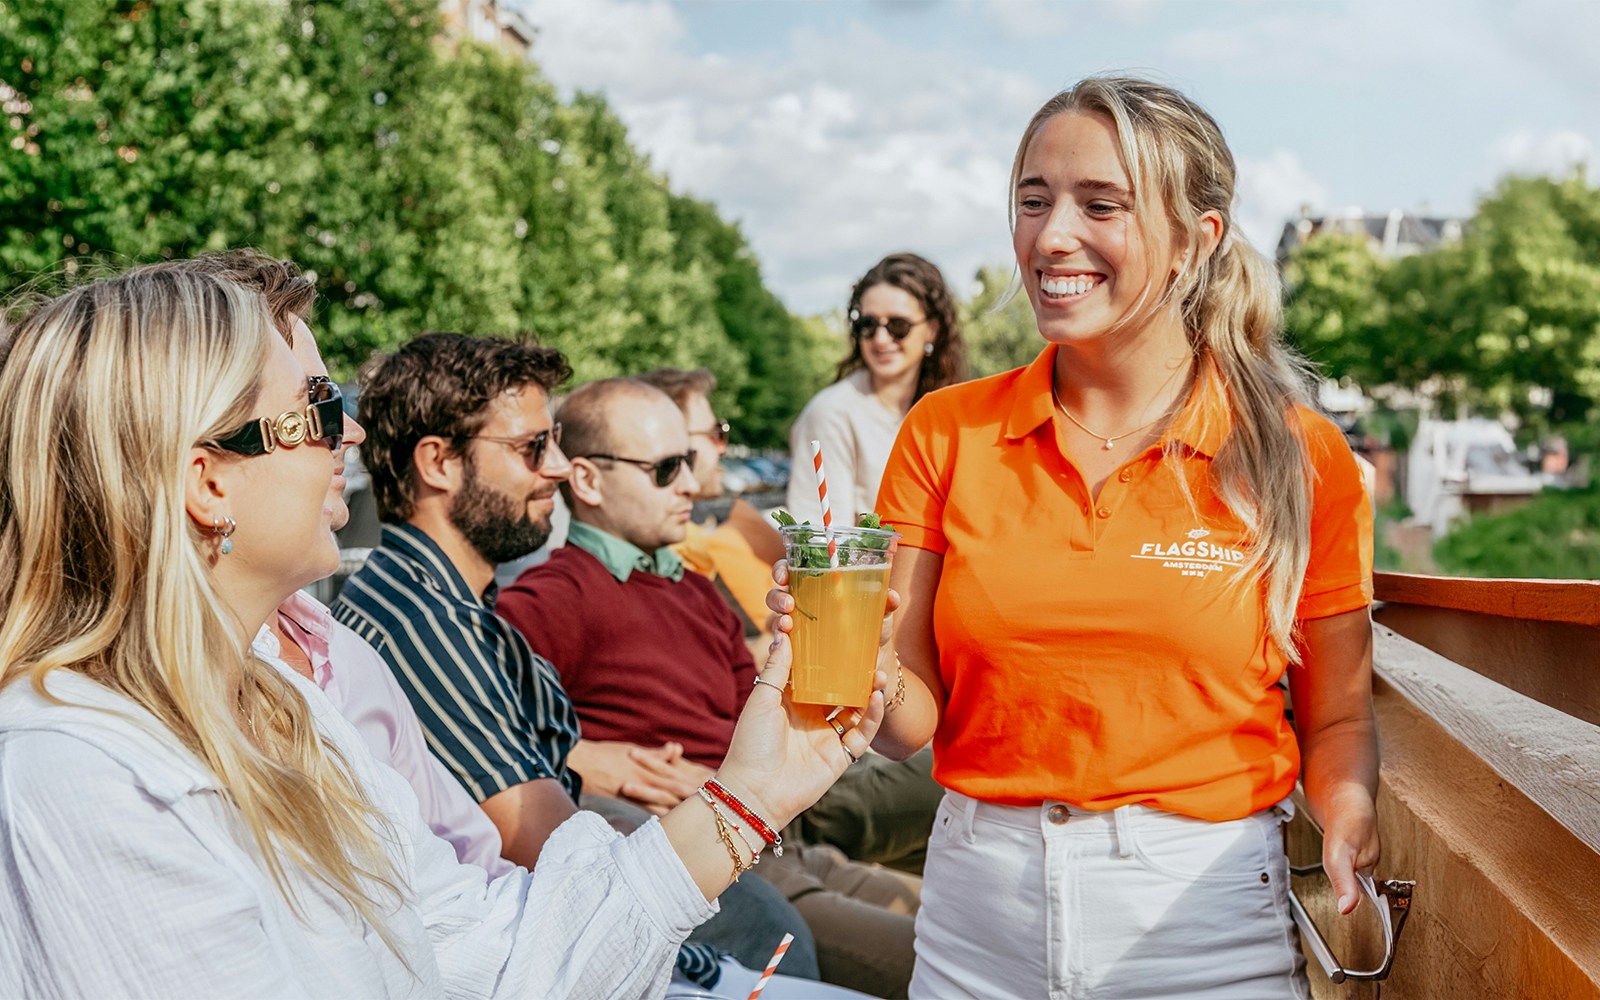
x=181, y=817
x=905, y=342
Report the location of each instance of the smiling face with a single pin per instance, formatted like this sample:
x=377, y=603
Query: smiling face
x=1086, y=262
x=305, y=351
x=503, y=506
x=887, y=359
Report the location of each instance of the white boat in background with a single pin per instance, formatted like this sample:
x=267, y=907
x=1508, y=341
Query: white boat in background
x=1458, y=467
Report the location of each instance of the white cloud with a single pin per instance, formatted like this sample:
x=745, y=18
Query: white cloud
x=584, y=45
x=1271, y=191
x=1557, y=40
x=1554, y=153
x=831, y=151
x=1338, y=44
x=836, y=142
x=1025, y=20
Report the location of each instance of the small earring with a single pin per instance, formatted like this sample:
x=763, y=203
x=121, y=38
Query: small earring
x=927, y=349
x=224, y=527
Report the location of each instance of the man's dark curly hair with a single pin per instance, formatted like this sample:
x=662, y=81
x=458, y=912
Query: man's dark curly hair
x=439, y=384
x=289, y=293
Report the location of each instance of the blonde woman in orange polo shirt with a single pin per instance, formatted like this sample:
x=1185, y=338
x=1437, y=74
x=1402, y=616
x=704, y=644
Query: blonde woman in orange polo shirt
x=1111, y=557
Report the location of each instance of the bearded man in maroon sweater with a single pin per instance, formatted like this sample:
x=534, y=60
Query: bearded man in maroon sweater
x=651, y=653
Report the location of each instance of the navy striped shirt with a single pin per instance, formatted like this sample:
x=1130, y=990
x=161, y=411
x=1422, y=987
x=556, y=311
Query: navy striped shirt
x=493, y=711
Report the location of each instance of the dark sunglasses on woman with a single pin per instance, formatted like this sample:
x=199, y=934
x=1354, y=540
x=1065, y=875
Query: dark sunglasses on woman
x=865, y=327
x=665, y=471
x=322, y=420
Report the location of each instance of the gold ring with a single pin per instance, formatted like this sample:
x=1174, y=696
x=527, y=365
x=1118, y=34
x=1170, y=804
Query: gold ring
x=838, y=729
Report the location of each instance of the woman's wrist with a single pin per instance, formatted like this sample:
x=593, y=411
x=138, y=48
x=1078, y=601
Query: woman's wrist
x=746, y=793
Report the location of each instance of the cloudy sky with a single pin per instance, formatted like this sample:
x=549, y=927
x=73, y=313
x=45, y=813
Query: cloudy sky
x=838, y=131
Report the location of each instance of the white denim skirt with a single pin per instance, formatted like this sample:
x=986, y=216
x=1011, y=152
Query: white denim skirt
x=1060, y=902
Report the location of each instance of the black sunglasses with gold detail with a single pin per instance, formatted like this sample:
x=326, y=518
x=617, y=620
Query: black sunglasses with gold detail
x=865, y=327
x=665, y=470
x=322, y=420
x=532, y=448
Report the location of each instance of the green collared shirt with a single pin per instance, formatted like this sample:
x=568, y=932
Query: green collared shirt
x=621, y=558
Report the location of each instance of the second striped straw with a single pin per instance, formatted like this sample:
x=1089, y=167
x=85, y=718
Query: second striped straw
x=827, y=512
x=772, y=966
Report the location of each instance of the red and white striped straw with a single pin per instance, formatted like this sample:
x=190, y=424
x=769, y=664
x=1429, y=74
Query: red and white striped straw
x=827, y=512
x=777, y=957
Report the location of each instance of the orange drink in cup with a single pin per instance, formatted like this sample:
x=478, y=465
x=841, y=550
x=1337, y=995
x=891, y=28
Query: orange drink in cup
x=839, y=605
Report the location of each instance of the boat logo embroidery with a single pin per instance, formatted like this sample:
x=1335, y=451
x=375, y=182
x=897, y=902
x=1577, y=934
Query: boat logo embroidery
x=1193, y=557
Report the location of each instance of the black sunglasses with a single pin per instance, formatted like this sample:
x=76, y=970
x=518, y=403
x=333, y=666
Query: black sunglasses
x=865, y=327
x=665, y=470
x=322, y=420
x=717, y=432
x=532, y=448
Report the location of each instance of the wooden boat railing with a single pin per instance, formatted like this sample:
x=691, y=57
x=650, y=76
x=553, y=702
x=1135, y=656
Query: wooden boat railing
x=1488, y=697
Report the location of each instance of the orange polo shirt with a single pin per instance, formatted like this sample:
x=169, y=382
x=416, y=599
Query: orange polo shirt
x=1098, y=651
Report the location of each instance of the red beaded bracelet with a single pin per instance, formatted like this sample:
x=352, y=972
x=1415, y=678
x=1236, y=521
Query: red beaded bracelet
x=744, y=812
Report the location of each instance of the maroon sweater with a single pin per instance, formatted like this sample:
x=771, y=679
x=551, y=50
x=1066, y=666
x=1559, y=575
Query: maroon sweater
x=645, y=661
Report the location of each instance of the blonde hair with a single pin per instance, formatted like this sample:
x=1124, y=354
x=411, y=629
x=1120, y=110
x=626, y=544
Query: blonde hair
x=1230, y=304
x=103, y=572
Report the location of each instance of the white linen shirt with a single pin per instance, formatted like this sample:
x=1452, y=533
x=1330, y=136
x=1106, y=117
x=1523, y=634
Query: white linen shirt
x=857, y=433
x=124, y=872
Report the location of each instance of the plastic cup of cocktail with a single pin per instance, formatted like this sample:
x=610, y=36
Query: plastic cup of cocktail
x=838, y=616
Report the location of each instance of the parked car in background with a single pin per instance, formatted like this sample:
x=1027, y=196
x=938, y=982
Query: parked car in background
x=738, y=477
x=771, y=475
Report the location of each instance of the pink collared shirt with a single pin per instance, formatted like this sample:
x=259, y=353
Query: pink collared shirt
x=358, y=683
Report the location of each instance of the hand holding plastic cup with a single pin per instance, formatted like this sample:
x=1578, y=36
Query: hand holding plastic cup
x=840, y=598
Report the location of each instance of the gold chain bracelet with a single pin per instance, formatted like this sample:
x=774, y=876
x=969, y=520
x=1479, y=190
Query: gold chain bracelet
x=899, y=686
x=740, y=866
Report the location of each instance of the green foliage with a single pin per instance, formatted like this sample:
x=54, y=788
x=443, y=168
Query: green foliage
x=1556, y=536
x=809, y=547
x=1332, y=311
x=1507, y=319
x=426, y=189
x=999, y=337
x=780, y=367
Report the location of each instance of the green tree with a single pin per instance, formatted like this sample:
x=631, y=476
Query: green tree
x=425, y=187
x=782, y=366
x=1333, y=311
x=1555, y=536
x=386, y=194
x=1535, y=251
x=1505, y=320
x=133, y=131
x=998, y=325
